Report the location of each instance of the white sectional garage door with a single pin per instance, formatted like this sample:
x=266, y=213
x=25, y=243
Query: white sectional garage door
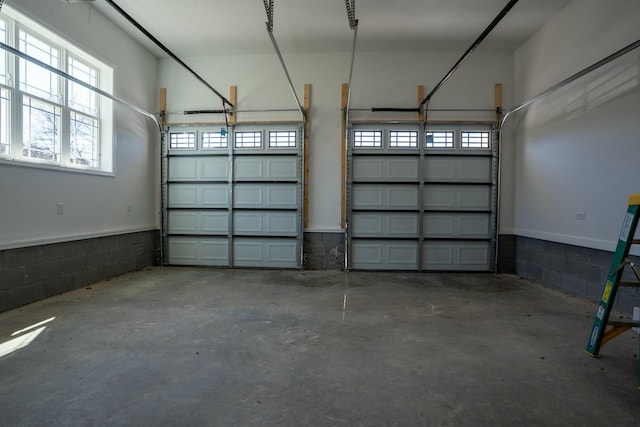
x=233, y=199
x=421, y=199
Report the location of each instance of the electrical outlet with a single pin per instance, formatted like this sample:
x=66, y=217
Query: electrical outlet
x=60, y=208
x=580, y=215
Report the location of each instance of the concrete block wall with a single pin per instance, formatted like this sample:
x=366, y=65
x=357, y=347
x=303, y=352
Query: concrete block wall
x=507, y=254
x=573, y=269
x=34, y=273
x=324, y=251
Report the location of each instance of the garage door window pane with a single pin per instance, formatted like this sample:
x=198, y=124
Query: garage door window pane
x=440, y=139
x=367, y=138
x=403, y=139
x=282, y=139
x=475, y=140
x=248, y=140
x=182, y=140
x=214, y=140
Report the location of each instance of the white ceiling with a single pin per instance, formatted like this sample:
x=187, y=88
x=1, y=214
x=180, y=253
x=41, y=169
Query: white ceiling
x=209, y=27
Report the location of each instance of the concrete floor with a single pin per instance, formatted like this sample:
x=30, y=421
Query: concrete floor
x=195, y=347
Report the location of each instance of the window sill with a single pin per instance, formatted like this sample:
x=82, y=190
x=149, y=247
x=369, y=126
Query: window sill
x=53, y=167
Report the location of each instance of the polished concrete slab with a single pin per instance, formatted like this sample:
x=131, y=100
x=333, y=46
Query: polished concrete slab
x=194, y=347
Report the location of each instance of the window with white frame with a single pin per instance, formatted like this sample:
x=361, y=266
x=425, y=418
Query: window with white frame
x=45, y=118
x=475, y=139
x=251, y=139
x=403, y=139
x=367, y=138
x=182, y=140
x=283, y=139
x=214, y=139
x=439, y=139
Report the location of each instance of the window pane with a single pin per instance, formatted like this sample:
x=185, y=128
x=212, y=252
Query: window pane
x=182, y=140
x=440, y=139
x=33, y=78
x=248, y=139
x=41, y=130
x=3, y=54
x=81, y=98
x=5, y=145
x=367, y=138
x=403, y=139
x=84, y=140
x=282, y=139
x=214, y=140
x=474, y=139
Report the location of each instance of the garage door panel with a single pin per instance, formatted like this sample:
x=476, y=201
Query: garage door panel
x=254, y=168
x=265, y=223
x=474, y=225
x=457, y=197
x=438, y=225
x=456, y=255
x=266, y=196
x=478, y=197
x=475, y=169
x=265, y=252
x=439, y=169
x=198, y=251
x=398, y=169
x=385, y=197
x=375, y=224
x=458, y=169
x=189, y=168
x=198, y=196
x=384, y=255
x=456, y=225
x=198, y=222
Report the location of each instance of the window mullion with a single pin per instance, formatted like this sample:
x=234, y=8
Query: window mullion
x=65, y=137
x=16, y=124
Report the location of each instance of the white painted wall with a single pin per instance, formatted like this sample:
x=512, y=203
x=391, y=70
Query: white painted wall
x=380, y=79
x=578, y=150
x=93, y=205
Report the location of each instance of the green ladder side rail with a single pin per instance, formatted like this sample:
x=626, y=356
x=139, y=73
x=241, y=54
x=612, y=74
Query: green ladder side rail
x=599, y=334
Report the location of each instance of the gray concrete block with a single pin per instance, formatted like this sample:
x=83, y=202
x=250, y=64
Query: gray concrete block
x=126, y=265
x=108, y=243
x=40, y=272
x=22, y=295
x=588, y=272
x=12, y=278
x=534, y=272
x=602, y=258
x=574, y=285
x=594, y=291
x=23, y=256
x=72, y=264
x=136, y=249
x=577, y=253
x=553, y=248
x=60, y=284
x=552, y=278
x=97, y=258
x=625, y=300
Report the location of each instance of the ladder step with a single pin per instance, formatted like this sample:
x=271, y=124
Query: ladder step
x=624, y=323
x=630, y=284
x=635, y=242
